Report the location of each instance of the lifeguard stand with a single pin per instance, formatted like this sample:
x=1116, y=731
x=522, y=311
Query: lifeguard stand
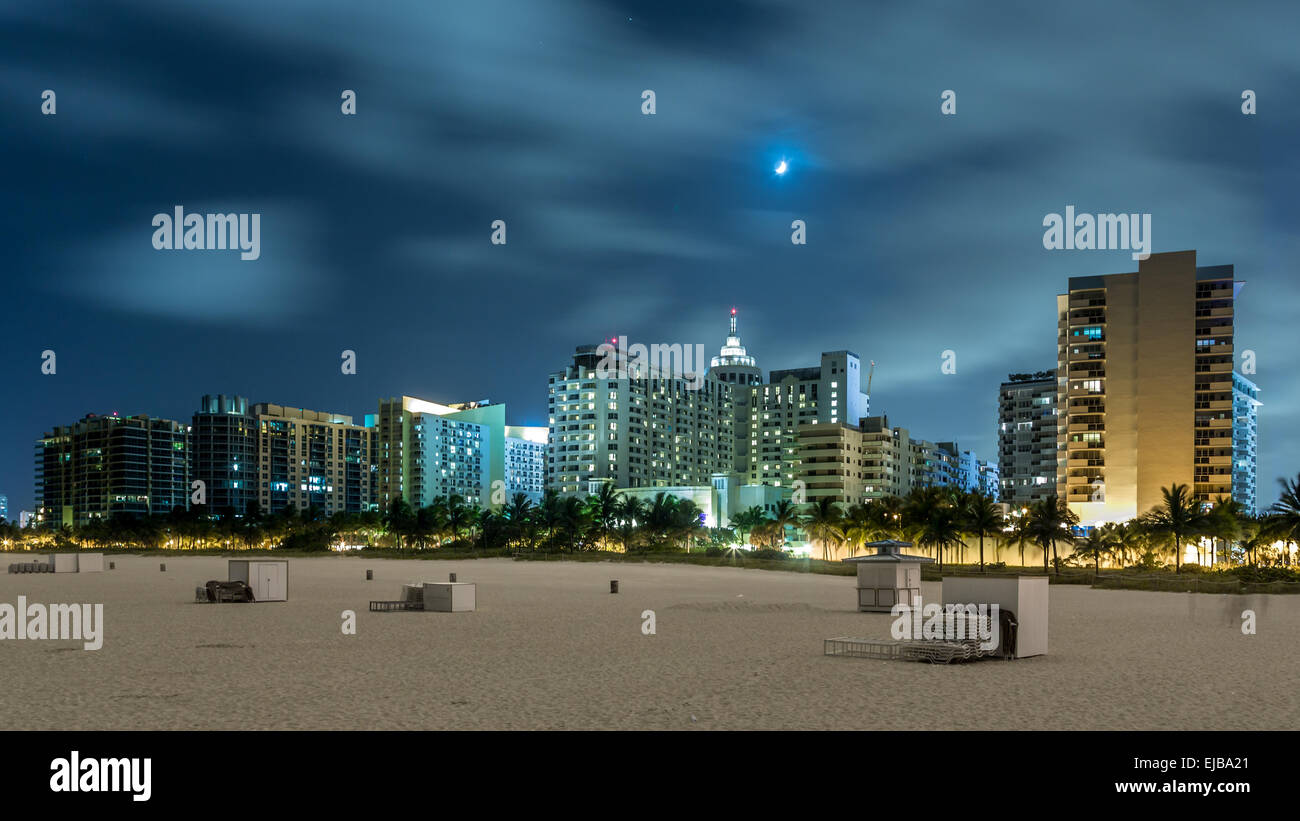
x=888, y=577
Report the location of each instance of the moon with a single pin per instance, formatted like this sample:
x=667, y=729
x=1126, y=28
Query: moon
x=781, y=167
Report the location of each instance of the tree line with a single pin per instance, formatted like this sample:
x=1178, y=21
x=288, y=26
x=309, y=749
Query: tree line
x=945, y=523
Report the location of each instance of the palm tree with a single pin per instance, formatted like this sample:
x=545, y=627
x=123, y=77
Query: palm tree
x=573, y=521
x=858, y=526
x=631, y=514
x=785, y=514
x=1096, y=544
x=518, y=514
x=1176, y=518
x=983, y=518
x=1284, y=515
x=746, y=520
x=602, y=509
x=687, y=520
x=823, y=522
x=1018, y=533
x=917, y=509
x=941, y=529
x=548, y=515
x=1050, y=520
x=1224, y=523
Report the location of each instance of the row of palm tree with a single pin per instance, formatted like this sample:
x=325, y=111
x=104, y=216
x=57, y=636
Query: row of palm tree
x=941, y=522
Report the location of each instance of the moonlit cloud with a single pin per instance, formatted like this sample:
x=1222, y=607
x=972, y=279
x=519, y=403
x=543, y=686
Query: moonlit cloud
x=924, y=231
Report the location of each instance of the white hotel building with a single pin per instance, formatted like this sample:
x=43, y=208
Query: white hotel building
x=645, y=432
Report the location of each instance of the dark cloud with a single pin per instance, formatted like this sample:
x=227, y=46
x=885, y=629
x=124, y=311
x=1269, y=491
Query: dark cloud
x=924, y=231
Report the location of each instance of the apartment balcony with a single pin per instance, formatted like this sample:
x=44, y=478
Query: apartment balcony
x=1214, y=461
x=1073, y=446
x=1087, y=356
x=1088, y=427
x=1074, y=480
x=1087, y=302
x=1214, y=424
x=1217, y=350
x=1217, y=404
x=1214, y=367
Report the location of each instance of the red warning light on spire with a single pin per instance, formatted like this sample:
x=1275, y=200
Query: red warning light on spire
x=733, y=311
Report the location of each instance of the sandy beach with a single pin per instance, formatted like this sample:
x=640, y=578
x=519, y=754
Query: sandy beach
x=550, y=648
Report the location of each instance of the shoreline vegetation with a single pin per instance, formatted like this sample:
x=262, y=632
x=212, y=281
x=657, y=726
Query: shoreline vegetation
x=1238, y=580
x=1181, y=544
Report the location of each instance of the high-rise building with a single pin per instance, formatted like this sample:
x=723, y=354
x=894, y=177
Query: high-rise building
x=638, y=431
x=427, y=451
x=829, y=462
x=107, y=465
x=871, y=460
x=1245, y=442
x=224, y=453
x=4, y=508
x=989, y=482
x=525, y=462
x=1027, y=437
x=886, y=458
x=1145, y=392
x=312, y=459
x=768, y=421
x=937, y=464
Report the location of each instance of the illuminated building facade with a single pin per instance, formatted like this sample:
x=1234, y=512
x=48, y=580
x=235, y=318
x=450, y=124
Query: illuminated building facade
x=103, y=466
x=312, y=459
x=427, y=451
x=650, y=431
x=224, y=452
x=1145, y=387
x=1027, y=437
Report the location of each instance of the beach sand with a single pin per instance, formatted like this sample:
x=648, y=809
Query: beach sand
x=550, y=647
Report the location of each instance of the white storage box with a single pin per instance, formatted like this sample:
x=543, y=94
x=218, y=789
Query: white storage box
x=449, y=597
x=65, y=562
x=1025, y=596
x=90, y=563
x=269, y=578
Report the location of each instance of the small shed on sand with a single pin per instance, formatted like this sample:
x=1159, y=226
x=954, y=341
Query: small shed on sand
x=888, y=576
x=449, y=597
x=269, y=578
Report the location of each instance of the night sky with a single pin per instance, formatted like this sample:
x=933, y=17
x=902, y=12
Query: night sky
x=924, y=230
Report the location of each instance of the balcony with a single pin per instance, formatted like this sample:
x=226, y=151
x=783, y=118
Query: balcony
x=1086, y=427
x=1213, y=423
x=1217, y=461
x=1072, y=445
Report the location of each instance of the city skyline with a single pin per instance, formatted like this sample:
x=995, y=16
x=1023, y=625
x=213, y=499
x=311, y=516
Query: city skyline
x=925, y=231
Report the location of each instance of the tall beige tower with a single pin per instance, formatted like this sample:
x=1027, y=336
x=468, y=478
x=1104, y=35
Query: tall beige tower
x=1144, y=386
